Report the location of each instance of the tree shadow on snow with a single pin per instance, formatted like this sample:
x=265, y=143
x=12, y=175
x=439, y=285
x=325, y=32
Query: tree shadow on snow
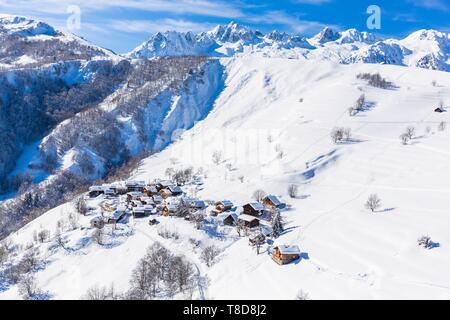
x=385, y=210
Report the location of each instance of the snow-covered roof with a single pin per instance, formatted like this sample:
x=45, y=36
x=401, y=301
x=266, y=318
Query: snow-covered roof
x=157, y=198
x=274, y=200
x=257, y=206
x=122, y=207
x=226, y=203
x=247, y=217
x=148, y=200
x=165, y=183
x=135, y=194
x=223, y=216
x=151, y=189
x=134, y=183
x=138, y=209
x=117, y=214
x=96, y=188
x=174, y=189
x=284, y=249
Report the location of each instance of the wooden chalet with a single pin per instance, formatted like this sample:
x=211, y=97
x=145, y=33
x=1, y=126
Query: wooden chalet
x=285, y=254
x=175, y=190
x=169, y=210
x=248, y=221
x=163, y=184
x=149, y=210
x=110, y=192
x=194, y=204
x=139, y=212
x=119, y=189
x=254, y=209
x=165, y=193
x=222, y=206
x=273, y=202
x=228, y=218
x=96, y=191
x=150, y=191
x=134, y=195
x=157, y=199
x=147, y=201
x=117, y=215
x=135, y=186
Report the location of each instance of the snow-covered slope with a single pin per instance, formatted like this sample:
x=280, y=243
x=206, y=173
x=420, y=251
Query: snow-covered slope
x=272, y=124
x=425, y=48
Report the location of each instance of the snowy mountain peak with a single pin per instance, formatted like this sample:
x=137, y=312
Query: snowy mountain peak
x=327, y=35
x=353, y=35
x=428, y=34
x=234, y=32
x=21, y=26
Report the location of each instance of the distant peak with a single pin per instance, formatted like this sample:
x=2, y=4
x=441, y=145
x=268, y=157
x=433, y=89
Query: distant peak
x=23, y=26
x=327, y=35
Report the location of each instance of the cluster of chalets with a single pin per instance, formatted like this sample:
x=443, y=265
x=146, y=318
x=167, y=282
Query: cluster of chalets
x=259, y=220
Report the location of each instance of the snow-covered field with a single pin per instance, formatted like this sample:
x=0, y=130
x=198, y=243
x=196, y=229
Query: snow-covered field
x=272, y=124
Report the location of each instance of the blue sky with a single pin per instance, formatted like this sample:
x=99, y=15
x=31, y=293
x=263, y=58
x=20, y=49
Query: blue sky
x=121, y=25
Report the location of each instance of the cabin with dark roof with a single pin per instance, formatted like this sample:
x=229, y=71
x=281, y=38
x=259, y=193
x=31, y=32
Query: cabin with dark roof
x=254, y=209
x=228, y=218
x=135, y=186
x=163, y=184
x=150, y=191
x=248, y=221
x=139, y=212
x=158, y=199
x=194, y=204
x=96, y=191
x=117, y=215
x=175, y=190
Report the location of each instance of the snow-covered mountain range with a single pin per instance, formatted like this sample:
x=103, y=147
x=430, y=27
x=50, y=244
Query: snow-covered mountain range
x=425, y=48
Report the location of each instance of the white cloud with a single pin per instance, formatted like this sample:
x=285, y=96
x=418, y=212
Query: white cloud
x=295, y=24
x=443, y=5
x=313, y=1
x=198, y=7
x=161, y=25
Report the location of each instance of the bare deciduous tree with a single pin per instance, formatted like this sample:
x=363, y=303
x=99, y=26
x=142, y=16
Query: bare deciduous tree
x=43, y=235
x=404, y=138
x=373, y=202
x=28, y=288
x=293, y=191
x=217, y=157
x=426, y=242
x=410, y=132
x=80, y=206
x=209, y=254
x=302, y=295
x=259, y=195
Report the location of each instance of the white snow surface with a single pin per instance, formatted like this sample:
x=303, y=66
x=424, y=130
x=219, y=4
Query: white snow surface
x=347, y=251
